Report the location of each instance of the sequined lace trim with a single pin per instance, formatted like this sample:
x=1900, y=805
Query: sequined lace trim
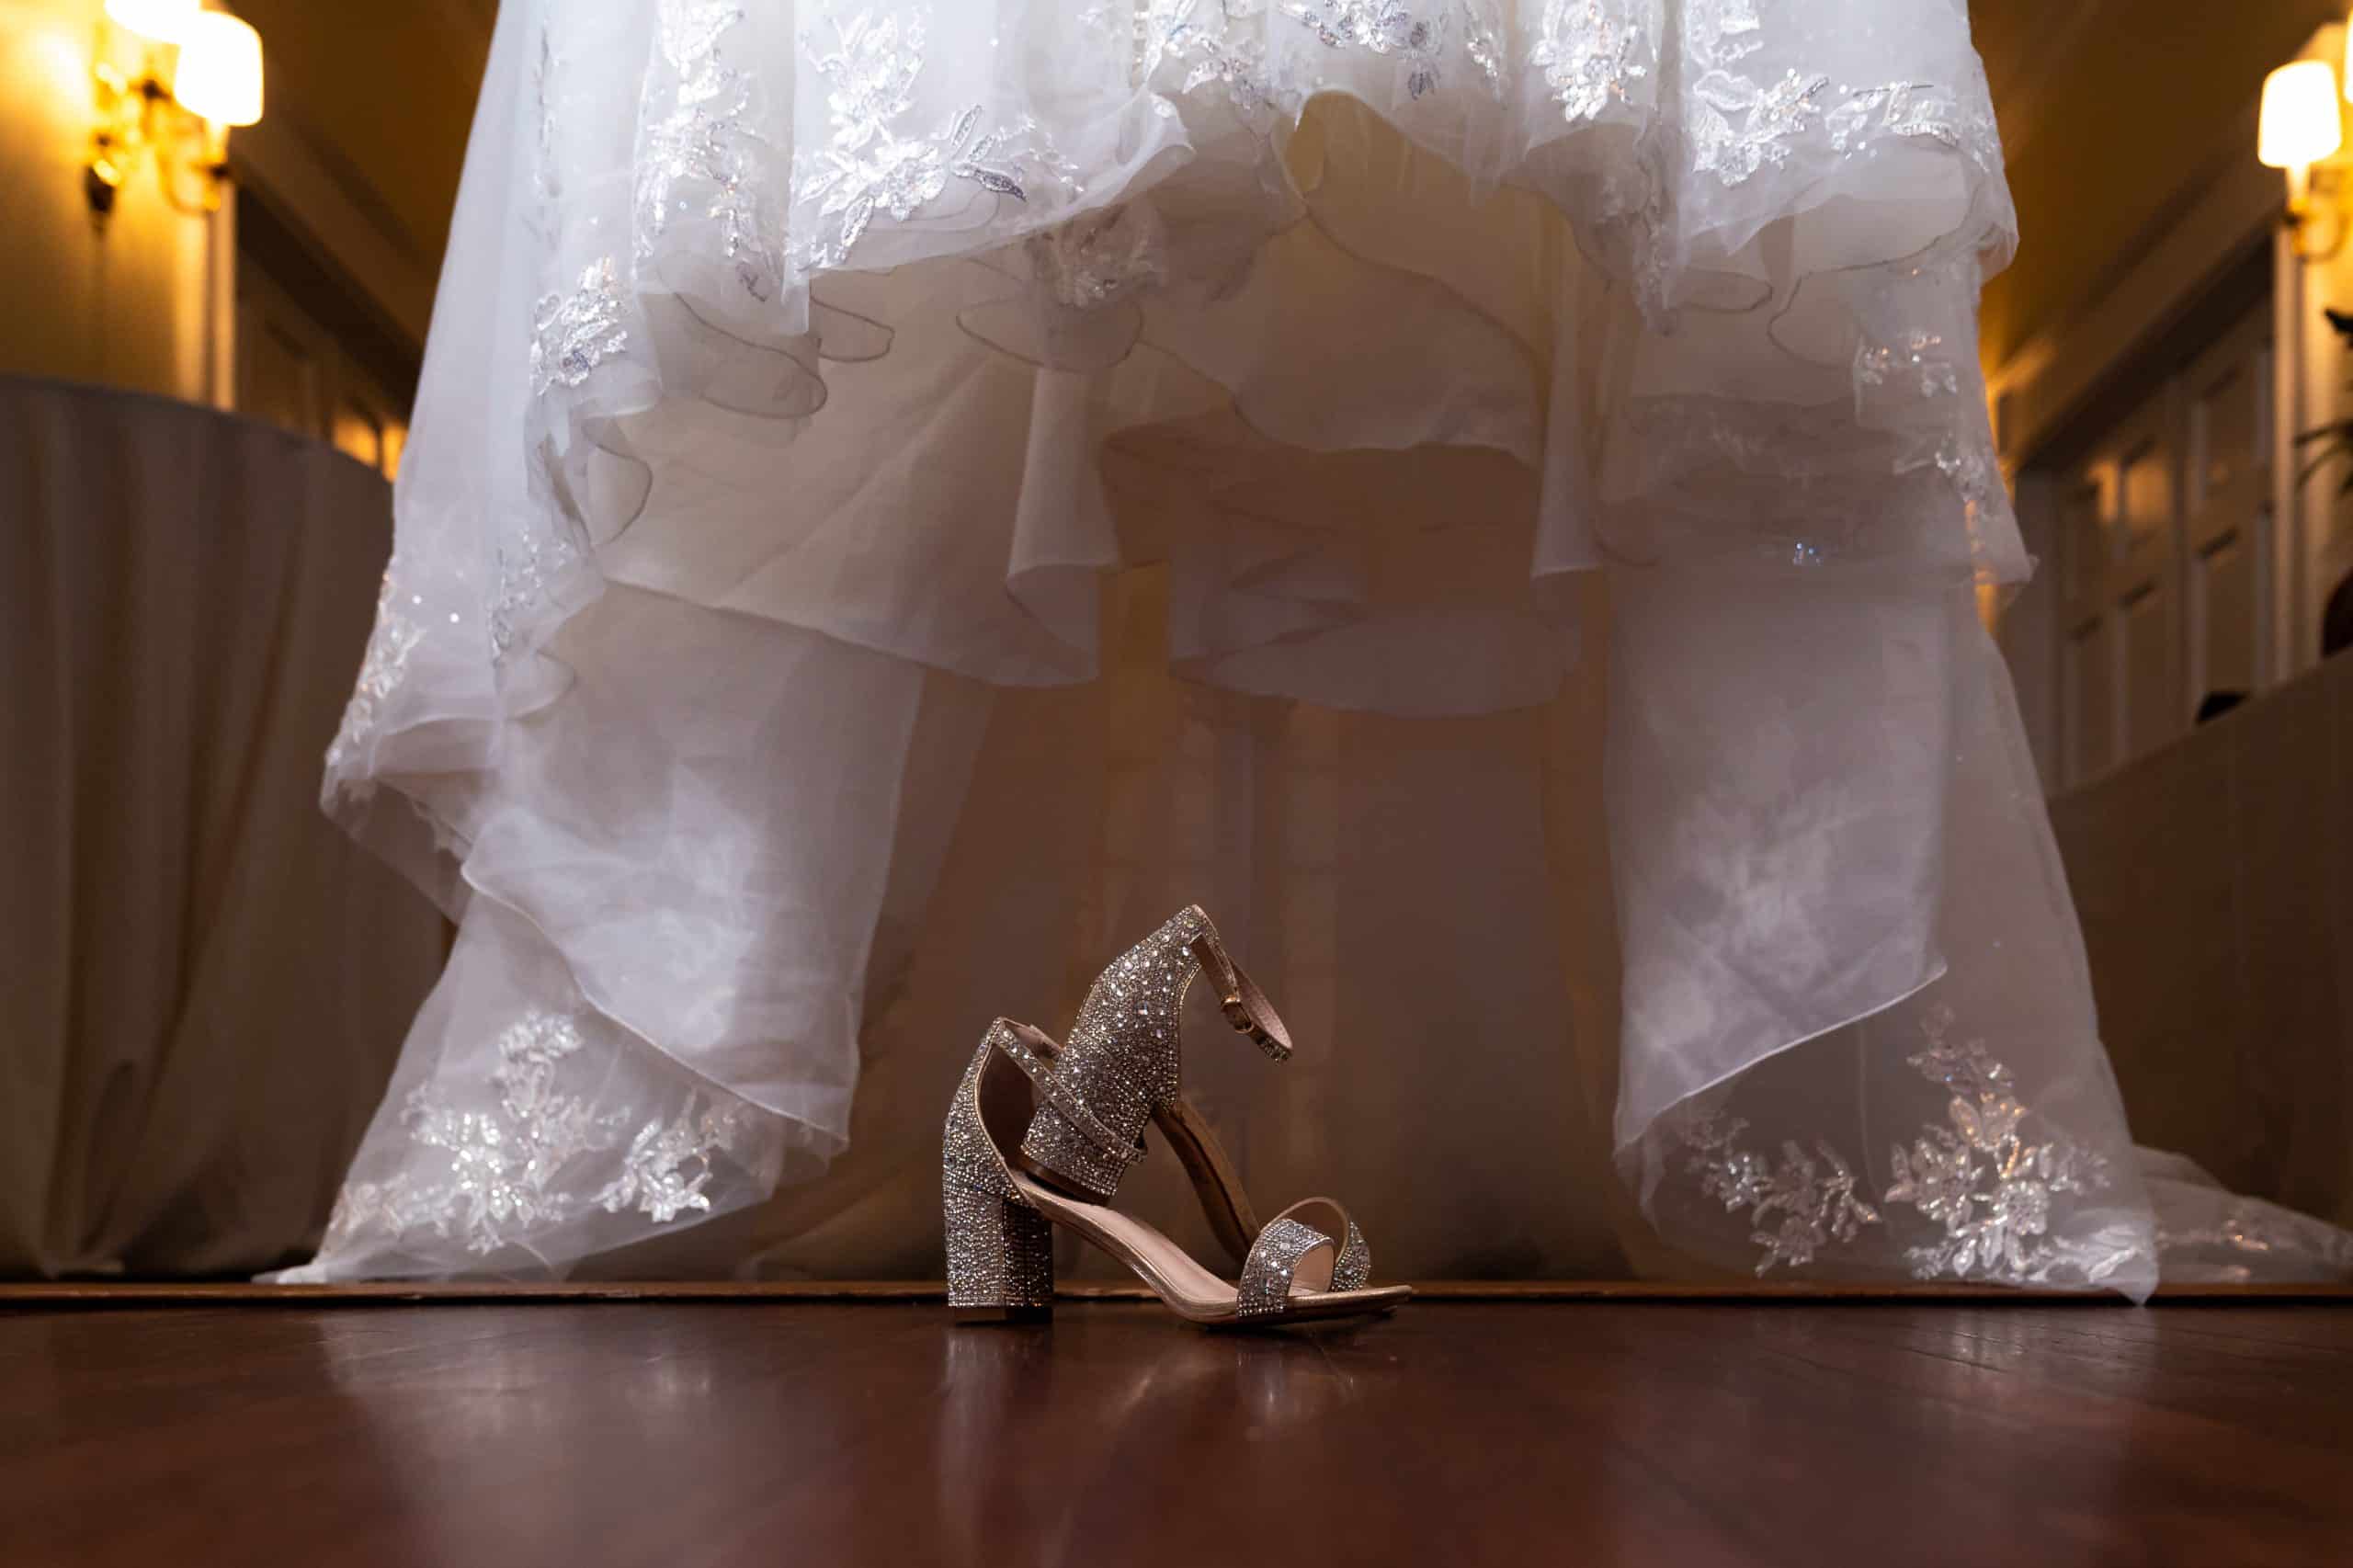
x=1211, y=47
x=505, y=1171
x=1797, y=1207
x=1983, y=1187
x=1392, y=27
x=1740, y=124
x=703, y=154
x=2250, y=1230
x=1983, y=1180
x=1592, y=55
x=382, y=669
x=871, y=165
x=1740, y=127
x=527, y=567
x=575, y=331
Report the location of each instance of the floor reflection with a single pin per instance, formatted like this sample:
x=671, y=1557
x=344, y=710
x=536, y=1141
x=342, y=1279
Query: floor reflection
x=1464, y=1433
x=1258, y=1399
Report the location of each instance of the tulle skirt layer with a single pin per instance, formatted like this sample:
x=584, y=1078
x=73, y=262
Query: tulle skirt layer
x=1493, y=501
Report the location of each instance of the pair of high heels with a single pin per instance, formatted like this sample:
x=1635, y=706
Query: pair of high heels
x=1040, y=1131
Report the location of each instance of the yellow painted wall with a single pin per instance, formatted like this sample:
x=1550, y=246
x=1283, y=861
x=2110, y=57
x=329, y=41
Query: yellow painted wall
x=391, y=89
x=2149, y=98
x=127, y=303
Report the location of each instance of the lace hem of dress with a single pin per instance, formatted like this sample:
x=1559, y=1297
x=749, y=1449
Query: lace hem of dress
x=2248, y=1240
x=1985, y=1189
x=490, y=1169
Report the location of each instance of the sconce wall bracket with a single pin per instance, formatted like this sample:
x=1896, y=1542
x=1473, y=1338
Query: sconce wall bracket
x=136, y=112
x=2314, y=217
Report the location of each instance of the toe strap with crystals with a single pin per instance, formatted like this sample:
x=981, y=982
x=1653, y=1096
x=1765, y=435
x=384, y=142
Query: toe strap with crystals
x=1293, y=1255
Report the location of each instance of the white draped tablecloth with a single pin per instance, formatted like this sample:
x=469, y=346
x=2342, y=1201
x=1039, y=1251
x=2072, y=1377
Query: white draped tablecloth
x=203, y=983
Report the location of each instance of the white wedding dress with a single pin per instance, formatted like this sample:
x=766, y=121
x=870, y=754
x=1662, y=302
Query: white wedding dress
x=905, y=494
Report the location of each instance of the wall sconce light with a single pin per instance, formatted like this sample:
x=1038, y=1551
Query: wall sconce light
x=198, y=73
x=2299, y=129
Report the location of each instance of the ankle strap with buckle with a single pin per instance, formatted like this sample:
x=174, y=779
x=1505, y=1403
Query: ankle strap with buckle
x=1245, y=1006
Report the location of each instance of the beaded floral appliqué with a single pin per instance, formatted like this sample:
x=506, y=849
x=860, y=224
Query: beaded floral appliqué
x=1420, y=41
x=870, y=166
x=382, y=668
x=1590, y=56
x=1737, y=124
x=699, y=144
x=1904, y=108
x=1379, y=27
x=525, y=566
x=1977, y=1179
x=506, y=1165
x=1797, y=1207
x=668, y=1164
x=1738, y=127
x=503, y=1164
x=1981, y=1180
x=1175, y=32
x=1740, y=124
x=575, y=332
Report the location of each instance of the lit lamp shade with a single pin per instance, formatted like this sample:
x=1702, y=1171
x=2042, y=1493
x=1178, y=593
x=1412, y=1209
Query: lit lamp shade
x=2299, y=125
x=220, y=70
x=163, y=20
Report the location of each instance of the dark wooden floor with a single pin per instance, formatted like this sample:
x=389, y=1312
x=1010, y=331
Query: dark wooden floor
x=1528, y=1434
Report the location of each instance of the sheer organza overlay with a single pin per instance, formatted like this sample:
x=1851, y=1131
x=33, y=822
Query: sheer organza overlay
x=902, y=492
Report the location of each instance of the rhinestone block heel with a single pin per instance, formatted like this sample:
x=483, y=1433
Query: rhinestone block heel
x=1038, y=1134
x=1000, y=1257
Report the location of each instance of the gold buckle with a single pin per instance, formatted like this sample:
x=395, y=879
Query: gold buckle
x=1238, y=1015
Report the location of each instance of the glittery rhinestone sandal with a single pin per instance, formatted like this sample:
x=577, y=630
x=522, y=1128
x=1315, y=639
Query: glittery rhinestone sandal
x=1041, y=1133
x=1310, y=1261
